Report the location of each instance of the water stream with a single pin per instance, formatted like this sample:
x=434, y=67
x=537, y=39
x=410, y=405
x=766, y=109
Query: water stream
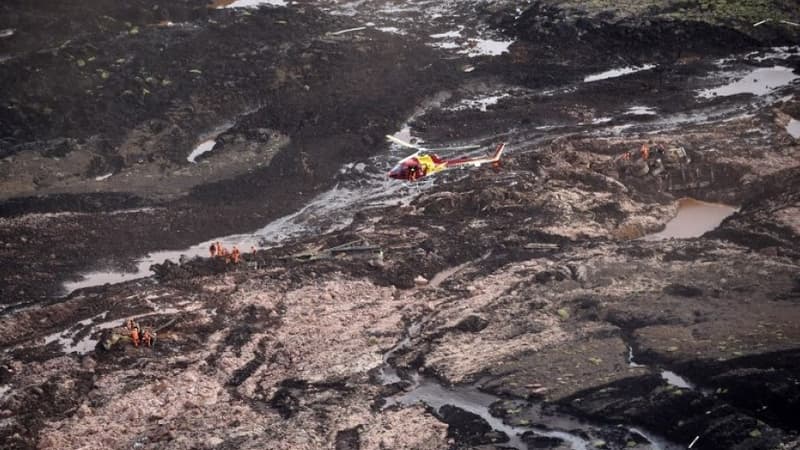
x=434, y=394
x=669, y=376
x=618, y=72
x=247, y=3
x=470, y=398
x=329, y=211
x=362, y=186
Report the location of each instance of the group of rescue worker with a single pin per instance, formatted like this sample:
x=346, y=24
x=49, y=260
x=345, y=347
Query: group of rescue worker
x=651, y=159
x=233, y=256
x=644, y=151
x=145, y=335
x=220, y=251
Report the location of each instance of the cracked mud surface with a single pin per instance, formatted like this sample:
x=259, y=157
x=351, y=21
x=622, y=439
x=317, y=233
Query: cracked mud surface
x=528, y=287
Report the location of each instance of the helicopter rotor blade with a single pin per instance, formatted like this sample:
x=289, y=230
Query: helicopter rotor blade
x=462, y=147
x=402, y=142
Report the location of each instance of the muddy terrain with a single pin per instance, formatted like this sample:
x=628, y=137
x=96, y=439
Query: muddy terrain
x=582, y=294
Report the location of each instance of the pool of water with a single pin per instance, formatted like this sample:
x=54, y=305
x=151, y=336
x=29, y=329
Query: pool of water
x=760, y=81
x=203, y=147
x=694, y=219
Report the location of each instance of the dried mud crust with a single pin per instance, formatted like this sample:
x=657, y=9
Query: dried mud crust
x=290, y=345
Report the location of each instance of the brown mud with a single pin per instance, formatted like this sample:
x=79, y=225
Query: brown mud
x=542, y=296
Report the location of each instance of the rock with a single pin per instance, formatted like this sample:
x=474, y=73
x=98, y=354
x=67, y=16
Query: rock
x=285, y=402
x=534, y=441
x=88, y=363
x=468, y=428
x=681, y=290
x=349, y=439
x=84, y=410
x=420, y=280
x=580, y=272
x=472, y=324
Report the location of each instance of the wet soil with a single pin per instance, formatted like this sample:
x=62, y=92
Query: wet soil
x=542, y=292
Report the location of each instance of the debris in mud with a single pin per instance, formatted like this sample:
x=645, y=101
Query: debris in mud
x=358, y=248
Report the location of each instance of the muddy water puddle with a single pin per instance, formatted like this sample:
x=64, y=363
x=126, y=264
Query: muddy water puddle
x=208, y=141
x=761, y=81
x=670, y=377
x=676, y=380
x=694, y=219
x=202, y=148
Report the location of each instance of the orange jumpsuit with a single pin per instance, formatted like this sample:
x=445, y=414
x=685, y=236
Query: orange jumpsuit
x=147, y=338
x=235, y=255
x=645, y=151
x=135, y=336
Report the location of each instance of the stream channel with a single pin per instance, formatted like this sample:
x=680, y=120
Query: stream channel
x=569, y=431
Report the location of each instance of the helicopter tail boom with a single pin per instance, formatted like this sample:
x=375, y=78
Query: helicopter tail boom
x=477, y=162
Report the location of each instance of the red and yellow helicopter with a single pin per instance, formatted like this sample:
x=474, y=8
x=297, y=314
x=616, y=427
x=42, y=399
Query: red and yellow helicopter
x=424, y=162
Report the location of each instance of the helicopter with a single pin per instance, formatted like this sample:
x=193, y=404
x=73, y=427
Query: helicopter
x=424, y=162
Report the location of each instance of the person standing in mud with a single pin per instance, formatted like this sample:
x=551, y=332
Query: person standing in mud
x=213, y=249
x=147, y=337
x=645, y=150
x=235, y=255
x=135, y=336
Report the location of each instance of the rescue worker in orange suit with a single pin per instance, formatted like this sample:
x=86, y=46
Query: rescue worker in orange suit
x=221, y=251
x=147, y=337
x=213, y=249
x=645, y=151
x=135, y=336
x=235, y=255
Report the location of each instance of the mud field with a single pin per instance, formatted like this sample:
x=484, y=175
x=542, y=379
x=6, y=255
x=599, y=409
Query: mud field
x=571, y=298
